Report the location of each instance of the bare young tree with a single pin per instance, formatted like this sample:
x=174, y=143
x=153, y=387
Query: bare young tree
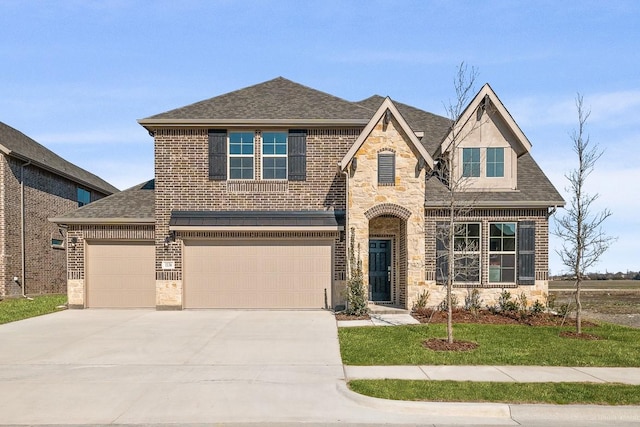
x=583, y=240
x=455, y=245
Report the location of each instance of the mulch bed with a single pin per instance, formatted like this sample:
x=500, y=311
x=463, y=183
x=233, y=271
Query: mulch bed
x=344, y=316
x=486, y=317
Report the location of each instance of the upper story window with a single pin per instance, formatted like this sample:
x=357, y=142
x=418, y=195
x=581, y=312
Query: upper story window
x=241, y=155
x=502, y=252
x=386, y=168
x=274, y=155
x=470, y=162
x=495, y=162
x=84, y=197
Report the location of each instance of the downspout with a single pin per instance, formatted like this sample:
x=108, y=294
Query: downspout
x=23, y=228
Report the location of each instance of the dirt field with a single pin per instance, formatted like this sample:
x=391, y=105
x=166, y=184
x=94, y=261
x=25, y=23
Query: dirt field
x=610, y=301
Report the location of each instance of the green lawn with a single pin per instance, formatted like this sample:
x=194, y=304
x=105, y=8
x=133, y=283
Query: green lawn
x=453, y=391
x=12, y=309
x=498, y=345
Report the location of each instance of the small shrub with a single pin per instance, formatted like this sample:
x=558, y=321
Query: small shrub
x=421, y=302
x=505, y=302
x=443, y=305
x=564, y=309
x=472, y=301
x=550, y=302
x=523, y=304
x=357, y=304
x=537, y=307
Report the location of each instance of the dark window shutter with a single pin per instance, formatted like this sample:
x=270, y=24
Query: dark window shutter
x=526, y=252
x=386, y=168
x=217, y=154
x=442, y=254
x=297, y=153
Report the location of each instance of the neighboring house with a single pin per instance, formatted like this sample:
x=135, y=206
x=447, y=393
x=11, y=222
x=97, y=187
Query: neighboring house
x=256, y=191
x=36, y=184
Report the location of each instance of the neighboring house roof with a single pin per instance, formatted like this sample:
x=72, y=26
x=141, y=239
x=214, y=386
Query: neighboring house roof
x=534, y=190
x=277, y=101
x=134, y=205
x=387, y=105
x=16, y=144
x=433, y=127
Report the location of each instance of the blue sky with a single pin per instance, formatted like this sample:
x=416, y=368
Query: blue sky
x=75, y=75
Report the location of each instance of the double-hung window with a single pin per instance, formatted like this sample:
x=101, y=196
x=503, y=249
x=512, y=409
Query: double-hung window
x=466, y=250
x=502, y=252
x=495, y=162
x=241, y=155
x=470, y=162
x=274, y=155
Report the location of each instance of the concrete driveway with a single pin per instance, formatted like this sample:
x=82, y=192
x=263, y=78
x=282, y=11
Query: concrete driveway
x=155, y=367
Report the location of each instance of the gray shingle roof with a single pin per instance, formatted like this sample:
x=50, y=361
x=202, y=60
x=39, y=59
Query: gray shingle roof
x=255, y=218
x=534, y=190
x=134, y=205
x=434, y=127
x=277, y=99
x=15, y=143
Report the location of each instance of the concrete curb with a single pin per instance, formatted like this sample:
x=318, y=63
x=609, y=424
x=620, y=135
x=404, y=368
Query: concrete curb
x=435, y=409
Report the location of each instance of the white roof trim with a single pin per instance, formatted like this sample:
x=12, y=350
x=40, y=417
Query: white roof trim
x=486, y=90
x=387, y=104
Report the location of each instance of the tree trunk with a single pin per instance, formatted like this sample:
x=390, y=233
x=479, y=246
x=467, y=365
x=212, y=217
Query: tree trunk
x=449, y=314
x=578, y=306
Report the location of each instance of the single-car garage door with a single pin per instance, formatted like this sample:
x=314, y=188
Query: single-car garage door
x=257, y=274
x=120, y=274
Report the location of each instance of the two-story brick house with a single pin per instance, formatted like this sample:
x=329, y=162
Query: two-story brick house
x=36, y=184
x=256, y=190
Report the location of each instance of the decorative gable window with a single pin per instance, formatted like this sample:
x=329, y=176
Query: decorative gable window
x=241, y=155
x=495, y=162
x=274, y=155
x=84, y=197
x=386, y=168
x=470, y=162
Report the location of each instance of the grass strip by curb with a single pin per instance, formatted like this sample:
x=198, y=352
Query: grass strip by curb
x=15, y=309
x=468, y=391
x=498, y=345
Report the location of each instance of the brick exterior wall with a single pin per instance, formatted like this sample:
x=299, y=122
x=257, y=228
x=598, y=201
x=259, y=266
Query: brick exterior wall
x=182, y=183
x=489, y=292
x=46, y=195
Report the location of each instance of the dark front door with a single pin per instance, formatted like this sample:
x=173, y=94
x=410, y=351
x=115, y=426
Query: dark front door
x=380, y=270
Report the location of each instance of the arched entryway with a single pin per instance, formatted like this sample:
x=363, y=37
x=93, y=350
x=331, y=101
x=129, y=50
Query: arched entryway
x=387, y=254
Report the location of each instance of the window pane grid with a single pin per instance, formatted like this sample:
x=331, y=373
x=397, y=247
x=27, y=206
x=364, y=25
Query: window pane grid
x=241, y=155
x=470, y=162
x=495, y=162
x=274, y=155
x=467, y=252
x=502, y=252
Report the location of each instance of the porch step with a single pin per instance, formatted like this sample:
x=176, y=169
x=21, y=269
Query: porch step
x=386, y=309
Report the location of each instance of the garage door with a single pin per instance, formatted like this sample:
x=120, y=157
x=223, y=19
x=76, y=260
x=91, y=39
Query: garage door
x=120, y=275
x=257, y=274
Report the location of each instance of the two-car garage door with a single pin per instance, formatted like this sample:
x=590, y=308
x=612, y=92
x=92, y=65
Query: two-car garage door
x=257, y=274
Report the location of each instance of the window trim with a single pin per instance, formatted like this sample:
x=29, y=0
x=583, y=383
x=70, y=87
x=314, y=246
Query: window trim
x=252, y=156
x=502, y=252
x=494, y=162
x=471, y=163
x=264, y=156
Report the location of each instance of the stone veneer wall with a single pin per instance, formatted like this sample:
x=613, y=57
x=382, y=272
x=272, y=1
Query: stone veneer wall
x=76, y=251
x=404, y=200
x=488, y=292
x=182, y=183
x=46, y=195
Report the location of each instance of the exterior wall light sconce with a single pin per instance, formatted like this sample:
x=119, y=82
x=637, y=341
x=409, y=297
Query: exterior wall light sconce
x=73, y=242
x=169, y=239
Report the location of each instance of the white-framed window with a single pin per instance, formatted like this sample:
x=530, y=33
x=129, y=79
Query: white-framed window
x=470, y=162
x=502, y=252
x=466, y=250
x=274, y=155
x=241, y=155
x=495, y=162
